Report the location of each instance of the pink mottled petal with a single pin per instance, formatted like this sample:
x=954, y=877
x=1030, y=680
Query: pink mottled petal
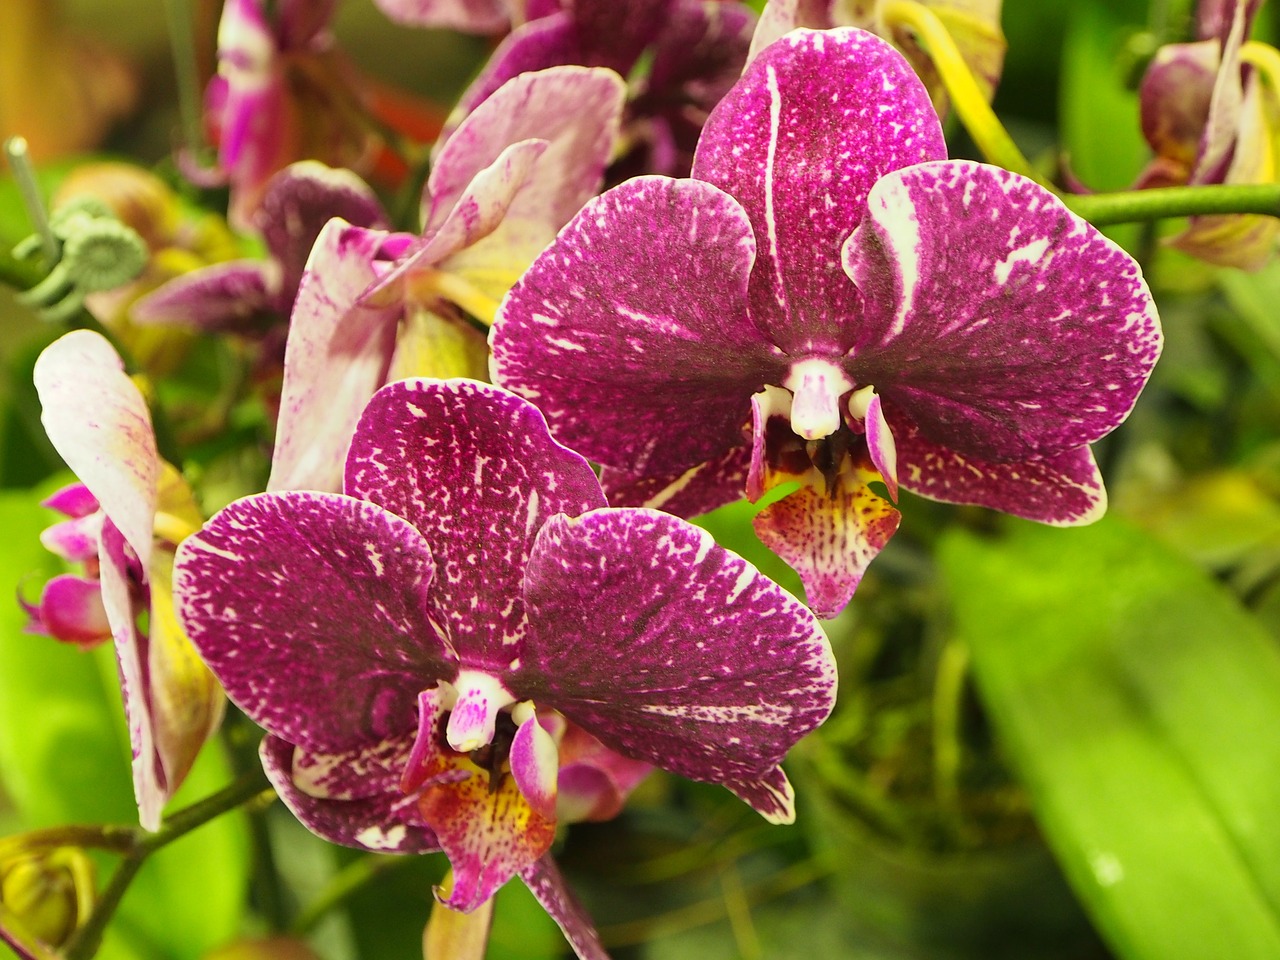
x=725, y=670
x=816, y=120
x=466, y=16
x=829, y=539
x=971, y=339
x=385, y=822
x=690, y=493
x=337, y=356
x=545, y=882
x=473, y=468
x=74, y=540
x=881, y=446
x=649, y=280
x=357, y=774
x=771, y=796
x=1063, y=490
x=225, y=296
x=71, y=610
x=535, y=766
x=297, y=599
x=98, y=422
x=132, y=655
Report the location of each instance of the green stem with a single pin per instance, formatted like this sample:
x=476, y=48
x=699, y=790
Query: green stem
x=187, y=74
x=1136, y=206
x=247, y=789
x=345, y=882
x=20, y=163
x=967, y=98
x=948, y=699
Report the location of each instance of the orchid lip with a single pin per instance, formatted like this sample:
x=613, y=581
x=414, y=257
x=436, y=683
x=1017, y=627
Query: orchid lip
x=816, y=386
x=474, y=713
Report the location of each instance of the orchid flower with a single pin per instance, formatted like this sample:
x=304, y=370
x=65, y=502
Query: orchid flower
x=974, y=25
x=414, y=646
x=374, y=306
x=1211, y=116
x=829, y=301
x=694, y=50
x=129, y=511
x=283, y=93
x=467, y=16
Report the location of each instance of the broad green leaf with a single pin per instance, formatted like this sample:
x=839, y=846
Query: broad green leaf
x=1138, y=702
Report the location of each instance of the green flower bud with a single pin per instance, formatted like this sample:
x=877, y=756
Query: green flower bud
x=50, y=893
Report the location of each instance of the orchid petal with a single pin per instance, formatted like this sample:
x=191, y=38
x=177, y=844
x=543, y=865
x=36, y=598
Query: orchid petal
x=771, y=796
x=724, y=669
x=828, y=538
x=386, y=822
x=299, y=201
x=357, y=774
x=815, y=121
x=433, y=344
x=337, y=356
x=545, y=882
x=71, y=610
x=475, y=713
x=234, y=295
x=535, y=766
x=74, y=500
x=149, y=785
x=98, y=422
x=648, y=279
x=690, y=493
x=881, y=446
x=474, y=469
x=1062, y=490
x=1174, y=97
x=299, y=598
x=467, y=16
x=594, y=781
x=74, y=540
x=1034, y=290
x=300, y=22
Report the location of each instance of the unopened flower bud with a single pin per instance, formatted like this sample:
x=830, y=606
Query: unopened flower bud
x=51, y=893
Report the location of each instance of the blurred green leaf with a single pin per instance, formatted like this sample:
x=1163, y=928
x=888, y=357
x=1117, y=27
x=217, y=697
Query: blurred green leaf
x=1137, y=700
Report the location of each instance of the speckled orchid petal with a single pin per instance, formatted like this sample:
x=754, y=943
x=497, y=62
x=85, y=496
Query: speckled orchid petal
x=355, y=774
x=725, y=670
x=815, y=121
x=474, y=469
x=383, y=822
x=545, y=882
x=1033, y=291
x=1062, y=490
x=296, y=599
x=467, y=16
x=298, y=202
x=535, y=766
x=337, y=356
x=71, y=610
x=230, y=296
x=688, y=493
x=771, y=795
x=829, y=538
x=98, y=422
x=648, y=279
x=117, y=561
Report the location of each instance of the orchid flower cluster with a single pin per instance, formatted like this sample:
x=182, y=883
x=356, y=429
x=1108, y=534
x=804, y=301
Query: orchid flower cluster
x=717, y=256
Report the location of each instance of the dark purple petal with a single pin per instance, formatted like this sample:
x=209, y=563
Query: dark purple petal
x=689, y=493
x=299, y=201
x=771, y=795
x=311, y=610
x=384, y=823
x=1174, y=98
x=815, y=121
x=302, y=22
x=468, y=16
x=631, y=331
x=337, y=356
x=357, y=774
x=225, y=296
x=1031, y=337
x=545, y=882
x=474, y=469
x=724, y=670
x=1063, y=490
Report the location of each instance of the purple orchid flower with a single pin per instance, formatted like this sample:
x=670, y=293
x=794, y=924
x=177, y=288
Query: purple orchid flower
x=827, y=300
x=1210, y=118
x=413, y=646
x=283, y=93
x=467, y=16
x=695, y=48
x=974, y=25
x=127, y=516
x=375, y=306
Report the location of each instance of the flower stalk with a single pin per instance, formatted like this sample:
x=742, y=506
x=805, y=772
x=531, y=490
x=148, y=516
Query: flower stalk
x=1135, y=206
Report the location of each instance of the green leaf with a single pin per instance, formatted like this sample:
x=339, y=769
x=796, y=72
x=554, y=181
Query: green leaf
x=1138, y=702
